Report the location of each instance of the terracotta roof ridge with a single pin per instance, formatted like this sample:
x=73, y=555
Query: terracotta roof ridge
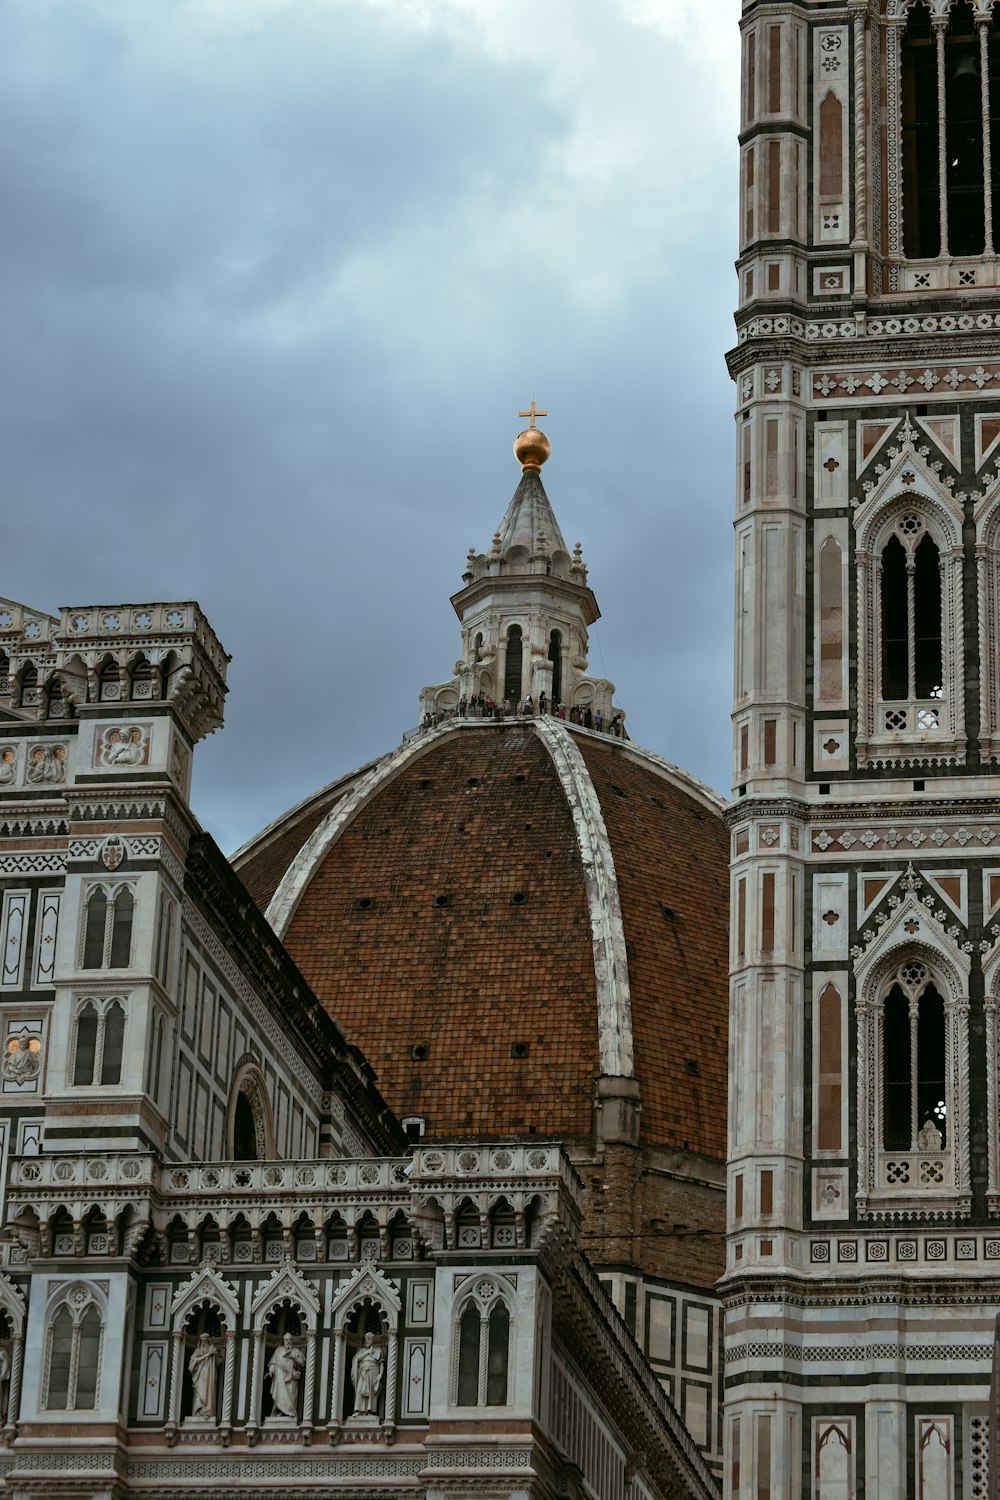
x=292, y=886
x=684, y=780
x=259, y=840
x=614, y=998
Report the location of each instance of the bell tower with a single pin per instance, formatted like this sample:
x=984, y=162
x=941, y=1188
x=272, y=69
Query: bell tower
x=864, y=1129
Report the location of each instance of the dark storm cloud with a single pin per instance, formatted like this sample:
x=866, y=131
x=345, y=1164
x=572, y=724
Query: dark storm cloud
x=277, y=278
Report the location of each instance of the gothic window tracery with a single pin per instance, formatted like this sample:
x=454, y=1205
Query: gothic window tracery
x=250, y=1126
x=98, y=1042
x=913, y=1062
x=481, y=1356
x=911, y=620
x=74, y=1339
x=107, y=928
x=911, y=702
x=913, y=1130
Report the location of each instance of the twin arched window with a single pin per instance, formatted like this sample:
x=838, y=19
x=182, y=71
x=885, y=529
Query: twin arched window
x=913, y=1108
x=914, y=1105
x=107, y=929
x=483, y=1353
x=911, y=624
x=73, y=1353
x=99, y=1042
x=910, y=634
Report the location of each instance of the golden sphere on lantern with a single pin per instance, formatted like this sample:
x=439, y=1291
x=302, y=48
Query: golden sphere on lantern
x=531, y=448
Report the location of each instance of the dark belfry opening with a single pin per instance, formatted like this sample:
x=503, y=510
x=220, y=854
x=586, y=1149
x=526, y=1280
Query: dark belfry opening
x=121, y=930
x=86, y=1046
x=114, y=1044
x=896, y=1127
x=964, y=135
x=927, y=620
x=468, y=1357
x=496, y=1356
x=994, y=106
x=921, y=204
x=895, y=673
x=244, y=1130
x=555, y=657
x=512, y=671
x=902, y=1123
x=930, y=1061
x=93, y=937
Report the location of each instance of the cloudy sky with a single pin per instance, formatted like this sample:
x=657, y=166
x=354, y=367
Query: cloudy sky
x=277, y=276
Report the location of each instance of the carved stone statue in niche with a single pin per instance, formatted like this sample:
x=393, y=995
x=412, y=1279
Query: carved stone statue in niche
x=8, y=765
x=203, y=1367
x=47, y=764
x=22, y=1058
x=123, y=746
x=285, y=1374
x=929, y=1138
x=366, y=1375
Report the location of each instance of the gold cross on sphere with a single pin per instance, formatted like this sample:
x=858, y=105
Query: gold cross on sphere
x=532, y=413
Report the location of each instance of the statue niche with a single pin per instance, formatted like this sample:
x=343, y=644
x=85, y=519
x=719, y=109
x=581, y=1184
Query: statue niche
x=284, y=1367
x=203, y=1355
x=364, y=1377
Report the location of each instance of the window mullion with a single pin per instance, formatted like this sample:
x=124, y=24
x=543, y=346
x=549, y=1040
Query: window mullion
x=74, y=1367
x=484, y=1354
x=983, y=25
x=911, y=628
x=109, y=927
x=940, y=26
x=914, y=1070
x=99, y=1047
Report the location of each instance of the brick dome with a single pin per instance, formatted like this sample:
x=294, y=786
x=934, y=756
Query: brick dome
x=500, y=914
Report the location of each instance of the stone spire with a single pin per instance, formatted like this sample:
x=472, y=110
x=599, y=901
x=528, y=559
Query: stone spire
x=525, y=606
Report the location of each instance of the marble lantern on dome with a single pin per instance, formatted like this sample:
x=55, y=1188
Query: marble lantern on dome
x=525, y=607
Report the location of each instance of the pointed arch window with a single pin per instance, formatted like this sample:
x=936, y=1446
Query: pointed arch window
x=244, y=1130
x=109, y=682
x=555, y=657
x=910, y=640
x=497, y=1355
x=913, y=1061
x=911, y=624
x=913, y=1106
x=470, y=1327
x=513, y=667
x=28, y=693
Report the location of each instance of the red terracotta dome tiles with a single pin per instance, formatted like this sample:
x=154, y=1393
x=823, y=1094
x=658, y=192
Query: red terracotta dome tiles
x=451, y=913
